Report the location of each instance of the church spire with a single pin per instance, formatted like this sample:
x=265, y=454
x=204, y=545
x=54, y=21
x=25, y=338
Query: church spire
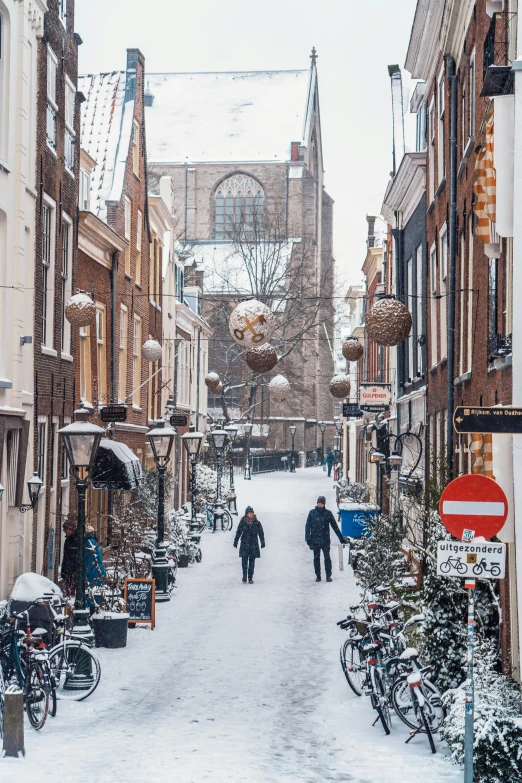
x=313, y=57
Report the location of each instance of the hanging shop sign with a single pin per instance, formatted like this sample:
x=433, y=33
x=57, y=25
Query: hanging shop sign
x=178, y=420
x=374, y=397
x=473, y=505
x=474, y=559
x=140, y=599
x=491, y=420
x=114, y=413
x=352, y=410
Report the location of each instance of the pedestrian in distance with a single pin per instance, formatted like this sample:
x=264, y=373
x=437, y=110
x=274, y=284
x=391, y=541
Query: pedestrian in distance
x=250, y=531
x=70, y=547
x=330, y=462
x=317, y=536
x=94, y=569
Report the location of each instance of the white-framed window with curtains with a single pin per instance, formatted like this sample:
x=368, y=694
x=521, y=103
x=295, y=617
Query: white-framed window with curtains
x=433, y=306
x=431, y=148
x=85, y=364
x=62, y=11
x=12, y=441
x=69, y=141
x=419, y=309
x=409, y=302
x=441, y=104
x=443, y=266
x=66, y=280
x=124, y=328
x=101, y=352
x=127, y=229
x=139, y=231
x=52, y=106
x=136, y=361
x=84, y=198
x=47, y=266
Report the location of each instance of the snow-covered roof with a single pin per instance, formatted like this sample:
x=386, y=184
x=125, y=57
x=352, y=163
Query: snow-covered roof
x=106, y=128
x=230, y=116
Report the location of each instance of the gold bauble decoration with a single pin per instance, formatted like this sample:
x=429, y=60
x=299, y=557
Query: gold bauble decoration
x=279, y=388
x=388, y=322
x=218, y=389
x=261, y=359
x=80, y=310
x=340, y=386
x=212, y=380
x=352, y=349
x=151, y=351
x=251, y=323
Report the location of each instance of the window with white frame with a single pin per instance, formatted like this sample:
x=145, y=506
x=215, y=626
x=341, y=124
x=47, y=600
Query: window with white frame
x=101, y=353
x=419, y=310
x=462, y=301
x=62, y=9
x=136, y=147
x=70, y=102
x=12, y=446
x=41, y=449
x=421, y=120
x=124, y=325
x=443, y=301
x=431, y=140
x=136, y=361
x=441, y=161
x=52, y=106
x=85, y=190
x=409, y=272
x=433, y=305
x=67, y=232
x=239, y=206
x=128, y=219
x=48, y=238
x=3, y=69
x=139, y=228
x=471, y=90
x=85, y=363
x=469, y=351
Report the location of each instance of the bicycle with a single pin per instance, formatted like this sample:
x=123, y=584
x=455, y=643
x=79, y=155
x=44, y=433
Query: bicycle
x=453, y=562
x=221, y=517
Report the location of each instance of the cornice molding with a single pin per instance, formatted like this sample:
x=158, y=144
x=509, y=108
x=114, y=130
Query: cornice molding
x=405, y=190
x=35, y=10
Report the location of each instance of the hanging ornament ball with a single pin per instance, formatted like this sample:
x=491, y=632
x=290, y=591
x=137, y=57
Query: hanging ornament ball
x=340, y=387
x=279, y=388
x=217, y=389
x=261, y=359
x=80, y=310
x=151, y=351
x=212, y=380
x=388, y=322
x=251, y=323
x=352, y=349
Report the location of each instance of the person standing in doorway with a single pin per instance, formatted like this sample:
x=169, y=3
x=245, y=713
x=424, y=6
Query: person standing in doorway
x=317, y=536
x=70, y=546
x=330, y=461
x=250, y=531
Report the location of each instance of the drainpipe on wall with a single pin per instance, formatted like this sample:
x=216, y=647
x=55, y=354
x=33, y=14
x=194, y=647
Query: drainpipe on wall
x=198, y=373
x=452, y=78
x=114, y=271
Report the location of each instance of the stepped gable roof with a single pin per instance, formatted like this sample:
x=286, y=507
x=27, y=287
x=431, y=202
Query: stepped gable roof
x=229, y=116
x=106, y=127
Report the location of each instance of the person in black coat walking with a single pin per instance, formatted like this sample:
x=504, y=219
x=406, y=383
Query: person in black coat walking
x=317, y=536
x=249, y=531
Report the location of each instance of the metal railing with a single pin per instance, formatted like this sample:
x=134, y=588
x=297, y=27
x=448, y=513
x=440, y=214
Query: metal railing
x=270, y=463
x=312, y=459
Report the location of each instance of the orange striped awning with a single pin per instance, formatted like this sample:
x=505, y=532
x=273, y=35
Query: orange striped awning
x=485, y=187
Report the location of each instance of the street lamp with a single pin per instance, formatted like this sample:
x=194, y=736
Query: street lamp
x=247, y=429
x=339, y=428
x=292, y=428
x=34, y=486
x=161, y=440
x=81, y=440
x=395, y=460
x=192, y=442
x=322, y=426
x=232, y=430
x=219, y=440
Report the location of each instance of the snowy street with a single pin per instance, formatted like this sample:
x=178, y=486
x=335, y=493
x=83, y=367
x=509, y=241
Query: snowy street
x=238, y=682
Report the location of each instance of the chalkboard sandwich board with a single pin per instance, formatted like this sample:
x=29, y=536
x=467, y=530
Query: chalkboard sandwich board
x=140, y=601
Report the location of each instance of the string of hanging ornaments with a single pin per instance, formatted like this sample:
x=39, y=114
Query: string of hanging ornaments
x=279, y=388
x=151, y=351
x=213, y=382
x=352, y=349
x=340, y=386
x=388, y=322
x=80, y=310
x=262, y=358
x=251, y=323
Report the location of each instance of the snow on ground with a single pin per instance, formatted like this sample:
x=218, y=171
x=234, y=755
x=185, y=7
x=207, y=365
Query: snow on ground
x=238, y=683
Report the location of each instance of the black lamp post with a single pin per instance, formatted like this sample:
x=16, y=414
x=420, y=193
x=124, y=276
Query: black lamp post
x=81, y=439
x=322, y=426
x=192, y=442
x=292, y=429
x=247, y=429
x=34, y=485
x=232, y=431
x=1, y=492
x=219, y=439
x=161, y=440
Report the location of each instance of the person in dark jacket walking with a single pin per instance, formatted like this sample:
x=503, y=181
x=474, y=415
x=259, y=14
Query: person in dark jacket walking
x=249, y=531
x=70, y=546
x=317, y=536
x=330, y=461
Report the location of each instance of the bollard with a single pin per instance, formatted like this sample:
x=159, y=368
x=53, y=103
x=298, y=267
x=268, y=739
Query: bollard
x=341, y=560
x=14, y=722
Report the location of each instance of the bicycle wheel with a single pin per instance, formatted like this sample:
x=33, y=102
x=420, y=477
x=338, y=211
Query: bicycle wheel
x=76, y=670
x=427, y=729
x=407, y=707
x=36, y=696
x=354, y=667
x=379, y=702
x=227, y=523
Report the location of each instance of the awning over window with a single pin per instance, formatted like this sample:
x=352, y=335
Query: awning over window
x=116, y=467
x=485, y=187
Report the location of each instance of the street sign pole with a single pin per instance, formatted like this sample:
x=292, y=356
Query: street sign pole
x=470, y=687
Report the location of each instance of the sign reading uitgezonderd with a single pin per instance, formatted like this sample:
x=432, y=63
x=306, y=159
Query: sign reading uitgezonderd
x=485, y=559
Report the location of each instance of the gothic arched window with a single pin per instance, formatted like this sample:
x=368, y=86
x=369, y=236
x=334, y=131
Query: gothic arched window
x=239, y=206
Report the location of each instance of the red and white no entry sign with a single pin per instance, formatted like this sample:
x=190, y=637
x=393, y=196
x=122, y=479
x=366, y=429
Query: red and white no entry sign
x=473, y=505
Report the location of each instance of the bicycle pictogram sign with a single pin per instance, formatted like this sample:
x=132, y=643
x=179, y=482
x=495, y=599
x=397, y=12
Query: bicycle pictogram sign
x=476, y=558
x=257, y=337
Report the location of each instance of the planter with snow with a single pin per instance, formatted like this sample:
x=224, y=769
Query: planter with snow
x=110, y=629
x=183, y=561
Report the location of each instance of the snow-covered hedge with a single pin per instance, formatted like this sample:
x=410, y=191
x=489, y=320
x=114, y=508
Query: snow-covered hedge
x=206, y=486
x=379, y=559
x=498, y=722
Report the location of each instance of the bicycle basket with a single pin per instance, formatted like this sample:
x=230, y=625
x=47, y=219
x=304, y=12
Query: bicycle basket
x=362, y=627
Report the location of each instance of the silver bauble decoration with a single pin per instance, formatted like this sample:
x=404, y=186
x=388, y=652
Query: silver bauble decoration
x=251, y=323
x=261, y=359
x=151, y=351
x=212, y=380
x=279, y=388
x=80, y=310
x=340, y=387
x=388, y=322
x=352, y=349
x=217, y=389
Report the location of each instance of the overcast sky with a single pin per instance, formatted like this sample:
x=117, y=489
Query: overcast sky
x=356, y=40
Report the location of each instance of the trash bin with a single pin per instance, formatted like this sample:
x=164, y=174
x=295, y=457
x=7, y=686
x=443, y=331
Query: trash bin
x=110, y=629
x=353, y=518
